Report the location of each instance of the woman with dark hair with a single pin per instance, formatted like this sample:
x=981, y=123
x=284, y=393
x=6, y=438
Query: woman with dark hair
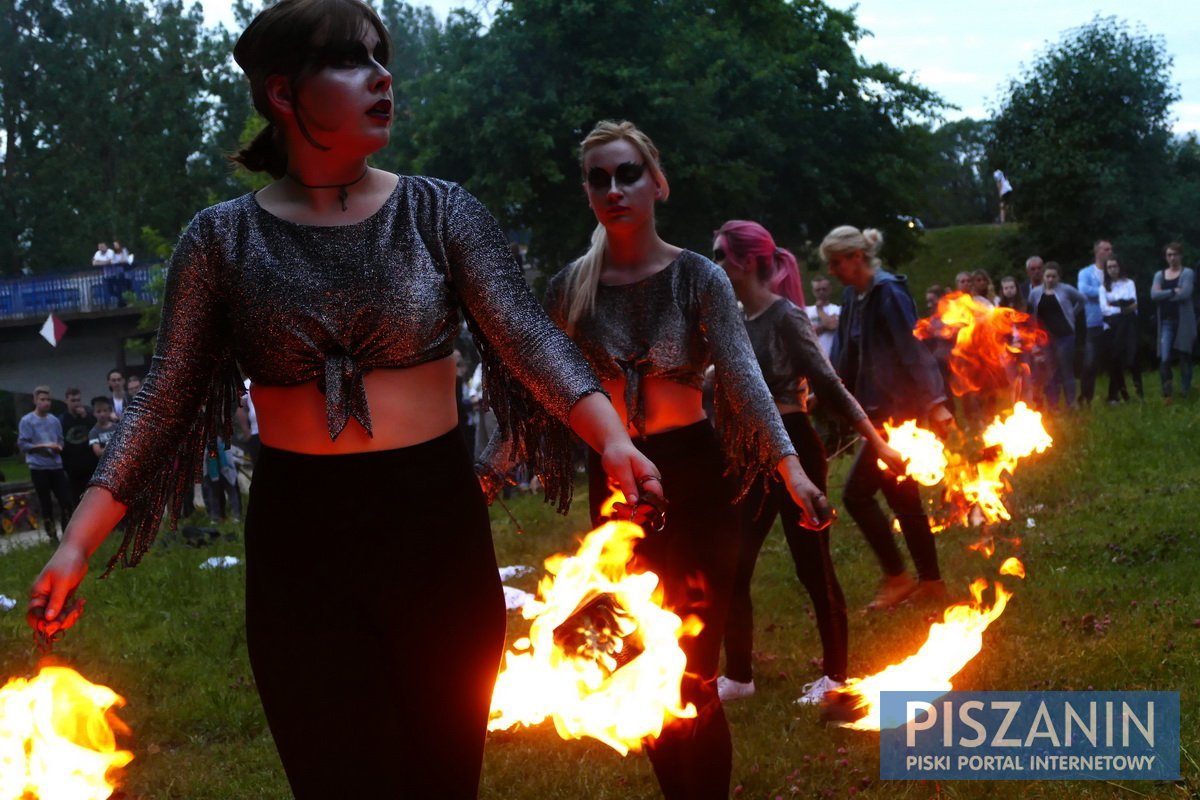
x=766, y=280
x=1172, y=295
x=1118, y=304
x=894, y=377
x=651, y=317
x=338, y=290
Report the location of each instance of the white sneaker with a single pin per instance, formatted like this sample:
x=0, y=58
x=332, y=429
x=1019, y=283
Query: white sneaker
x=814, y=692
x=729, y=690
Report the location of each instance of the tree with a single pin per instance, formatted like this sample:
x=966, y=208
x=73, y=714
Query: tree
x=115, y=112
x=761, y=107
x=959, y=189
x=1084, y=137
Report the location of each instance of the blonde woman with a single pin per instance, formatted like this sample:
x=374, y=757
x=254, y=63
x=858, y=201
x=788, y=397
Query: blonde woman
x=893, y=376
x=650, y=317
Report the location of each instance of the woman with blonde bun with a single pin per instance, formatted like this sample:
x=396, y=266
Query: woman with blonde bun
x=894, y=377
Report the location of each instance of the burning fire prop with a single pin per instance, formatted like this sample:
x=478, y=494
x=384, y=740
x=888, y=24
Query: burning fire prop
x=988, y=345
x=602, y=657
x=58, y=738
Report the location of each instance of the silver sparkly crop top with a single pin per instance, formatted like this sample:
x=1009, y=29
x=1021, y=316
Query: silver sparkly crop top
x=791, y=359
x=673, y=325
x=293, y=303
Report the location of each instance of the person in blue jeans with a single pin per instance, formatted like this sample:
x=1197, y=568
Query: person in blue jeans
x=1090, y=283
x=1058, y=307
x=893, y=376
x=1172, y=294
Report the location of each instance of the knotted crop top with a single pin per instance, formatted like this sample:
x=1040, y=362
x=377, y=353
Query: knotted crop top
x=672, y=325
x=291, y=303
x=790, y=355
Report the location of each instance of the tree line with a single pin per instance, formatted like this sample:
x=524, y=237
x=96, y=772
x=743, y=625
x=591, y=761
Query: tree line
x=118, y=116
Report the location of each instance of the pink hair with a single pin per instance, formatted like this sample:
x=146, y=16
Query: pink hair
x=749, y=245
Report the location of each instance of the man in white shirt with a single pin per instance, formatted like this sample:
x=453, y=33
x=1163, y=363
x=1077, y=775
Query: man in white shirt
x=1004, y=190
x=103, y=255
x=823, y=314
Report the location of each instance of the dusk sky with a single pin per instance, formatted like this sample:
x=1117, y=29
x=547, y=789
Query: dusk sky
x=968, y=51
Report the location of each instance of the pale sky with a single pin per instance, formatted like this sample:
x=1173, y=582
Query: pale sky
x=967, y=51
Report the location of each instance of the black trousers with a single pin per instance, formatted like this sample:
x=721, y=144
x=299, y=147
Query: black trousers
x=694, y=557
x=53, y=484
x=810, y=555
x=375, y=619
x=1122, y=355
x=864, y=480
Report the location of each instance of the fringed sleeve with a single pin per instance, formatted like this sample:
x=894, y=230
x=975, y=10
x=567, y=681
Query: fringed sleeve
x=753, y=434
x=800, y=342
x=532, y=373
x=186, y=401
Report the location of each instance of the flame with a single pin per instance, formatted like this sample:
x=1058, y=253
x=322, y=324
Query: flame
x=58, y=738
x=922, y=450
x=618, y=680
x=952, y=643
x=974, y=485
x=1012, y=566
x=987, y=341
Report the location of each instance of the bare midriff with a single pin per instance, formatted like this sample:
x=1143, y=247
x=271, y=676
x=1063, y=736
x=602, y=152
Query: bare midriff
x=408, y=406
x=668, y=404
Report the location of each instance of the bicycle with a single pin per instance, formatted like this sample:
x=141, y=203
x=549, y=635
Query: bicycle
x=17, y=513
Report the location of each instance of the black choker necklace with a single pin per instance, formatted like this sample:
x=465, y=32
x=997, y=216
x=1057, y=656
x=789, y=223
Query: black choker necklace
x=341, y=187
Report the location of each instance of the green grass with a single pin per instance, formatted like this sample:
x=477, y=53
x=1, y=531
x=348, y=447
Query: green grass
x=945, y=252
x=14, y=469
x=1109, y=603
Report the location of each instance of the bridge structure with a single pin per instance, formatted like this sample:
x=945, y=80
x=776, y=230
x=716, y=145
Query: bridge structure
x=101, y=326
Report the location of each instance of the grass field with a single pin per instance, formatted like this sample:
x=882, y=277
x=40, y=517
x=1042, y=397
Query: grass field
x=1111, y=602
x=945, y=252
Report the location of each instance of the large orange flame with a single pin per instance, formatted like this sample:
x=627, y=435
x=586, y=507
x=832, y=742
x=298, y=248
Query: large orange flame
x=58, y=738
x=952, y=643
x=986, y=344
x=602, y=657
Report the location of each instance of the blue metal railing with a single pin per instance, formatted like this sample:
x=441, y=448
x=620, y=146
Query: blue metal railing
x=78, y=292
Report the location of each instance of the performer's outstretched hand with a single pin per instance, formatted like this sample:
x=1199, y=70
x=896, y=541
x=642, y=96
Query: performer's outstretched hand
x=53, y=606
x=891, y=457
x=816, y=511
x=632, y=471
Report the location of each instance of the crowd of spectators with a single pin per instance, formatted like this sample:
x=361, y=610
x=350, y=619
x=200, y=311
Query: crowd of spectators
x=1089, y=320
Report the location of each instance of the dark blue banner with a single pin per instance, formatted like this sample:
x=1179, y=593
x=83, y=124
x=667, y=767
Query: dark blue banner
x=1029, y=736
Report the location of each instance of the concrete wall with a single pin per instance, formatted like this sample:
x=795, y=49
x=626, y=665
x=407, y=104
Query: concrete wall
x=90, y=348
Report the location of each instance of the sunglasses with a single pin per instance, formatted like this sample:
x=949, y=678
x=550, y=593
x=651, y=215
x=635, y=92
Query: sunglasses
x=626, y=174
x=718, y=255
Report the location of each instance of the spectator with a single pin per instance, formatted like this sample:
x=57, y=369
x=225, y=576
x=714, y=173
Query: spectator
x=823, y=314
x=933, y=296
x=962, y=283
x=1056, y=306
x=122, y=260
x=222, y=497
x=1172, y=294
x=105, y=426
x=40, y=438
x=1118, y=302
x=1033, y=271
x=132, y=385
x=248, y=419
x=1089, y=282
x=117, y=394
x=982, y=288
x=78, y=459
x=1020, y=366
x=103, y=256
x=1004, y=192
